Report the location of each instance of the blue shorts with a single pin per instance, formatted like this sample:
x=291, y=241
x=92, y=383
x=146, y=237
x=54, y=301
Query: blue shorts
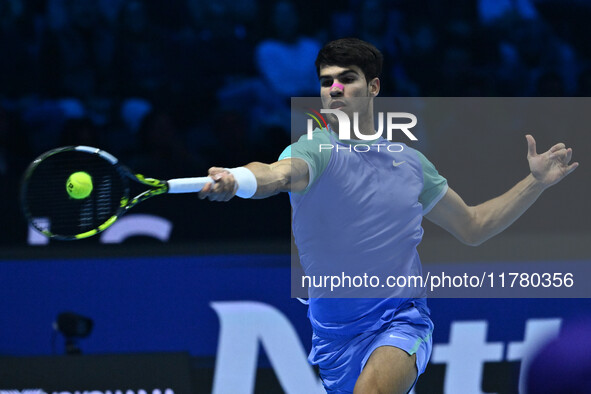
x=342, y=358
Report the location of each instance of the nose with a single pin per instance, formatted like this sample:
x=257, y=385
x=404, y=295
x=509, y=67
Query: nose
x=336, y=89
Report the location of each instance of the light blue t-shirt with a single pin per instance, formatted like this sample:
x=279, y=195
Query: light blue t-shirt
x=360, y=214
x=434, y=185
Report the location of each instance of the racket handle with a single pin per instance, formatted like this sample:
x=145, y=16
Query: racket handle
x=188, y=185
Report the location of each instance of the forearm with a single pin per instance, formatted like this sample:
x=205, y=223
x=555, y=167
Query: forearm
x=256, y=180
x=495, y=215
x=282, y=176
x=475, y=224
x=270, y=181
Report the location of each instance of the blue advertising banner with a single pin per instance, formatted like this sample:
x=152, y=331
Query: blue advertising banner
x=235, y=315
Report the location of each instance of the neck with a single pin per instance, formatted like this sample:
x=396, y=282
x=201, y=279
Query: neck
x=364, y=125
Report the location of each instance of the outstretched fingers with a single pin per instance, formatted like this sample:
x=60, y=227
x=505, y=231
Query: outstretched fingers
x=572, y=167
x=531, y=145
x=564, y=156
x=557, y=147
x=569, y=155
x=552, y=165
x=561, y=154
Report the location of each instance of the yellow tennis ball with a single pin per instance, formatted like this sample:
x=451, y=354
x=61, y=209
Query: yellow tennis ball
x=79, y=185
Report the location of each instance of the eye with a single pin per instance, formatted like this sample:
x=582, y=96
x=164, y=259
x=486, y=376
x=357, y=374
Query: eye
x=348, y=80
x=326, y=83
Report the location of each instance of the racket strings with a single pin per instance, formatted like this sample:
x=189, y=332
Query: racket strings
x=50, y=208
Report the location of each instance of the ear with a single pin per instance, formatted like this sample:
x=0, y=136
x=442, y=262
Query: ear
x=374, y=87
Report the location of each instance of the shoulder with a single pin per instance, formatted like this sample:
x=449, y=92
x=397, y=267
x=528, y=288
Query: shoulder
x=425, y=164
x=318, y=136
x=307, y=147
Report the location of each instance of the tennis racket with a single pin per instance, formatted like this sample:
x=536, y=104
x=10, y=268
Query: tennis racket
x=49, y=208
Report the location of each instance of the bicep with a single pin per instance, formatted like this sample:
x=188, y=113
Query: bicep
x=453, y=214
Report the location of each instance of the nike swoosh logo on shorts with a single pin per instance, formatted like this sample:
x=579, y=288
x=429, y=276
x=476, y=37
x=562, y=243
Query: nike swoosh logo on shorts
x=396, y=164
x=395, y=336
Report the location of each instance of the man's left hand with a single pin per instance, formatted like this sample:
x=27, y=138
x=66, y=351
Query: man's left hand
x=551, y=166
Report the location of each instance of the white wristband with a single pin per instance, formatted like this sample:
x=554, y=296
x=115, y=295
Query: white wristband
x=247, y=182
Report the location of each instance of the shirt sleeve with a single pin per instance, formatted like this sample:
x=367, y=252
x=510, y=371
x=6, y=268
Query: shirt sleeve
x=311, y=152
x=434, y=185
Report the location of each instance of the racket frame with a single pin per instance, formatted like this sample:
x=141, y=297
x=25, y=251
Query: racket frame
x=157, y=187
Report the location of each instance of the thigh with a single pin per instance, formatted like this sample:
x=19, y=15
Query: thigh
x=340, y=360
x=388, y=370
x=398, y=354
x=343, y=361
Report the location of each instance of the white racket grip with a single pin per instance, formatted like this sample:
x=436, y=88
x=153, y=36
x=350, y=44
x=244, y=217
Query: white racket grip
x=188, y=185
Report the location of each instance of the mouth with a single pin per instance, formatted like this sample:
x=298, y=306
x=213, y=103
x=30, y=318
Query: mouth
x=337, y=105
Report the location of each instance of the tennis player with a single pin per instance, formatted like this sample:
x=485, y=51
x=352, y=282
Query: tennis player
x=373, y=345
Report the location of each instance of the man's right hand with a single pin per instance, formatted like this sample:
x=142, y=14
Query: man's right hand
x=223, y=189
x=287, y=175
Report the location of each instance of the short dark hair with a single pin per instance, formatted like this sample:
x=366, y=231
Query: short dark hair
x=351, y=52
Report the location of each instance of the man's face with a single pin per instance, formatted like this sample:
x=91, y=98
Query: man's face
x=345, y=87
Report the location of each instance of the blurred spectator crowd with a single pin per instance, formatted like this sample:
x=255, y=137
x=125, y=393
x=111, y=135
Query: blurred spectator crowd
x=173, y=87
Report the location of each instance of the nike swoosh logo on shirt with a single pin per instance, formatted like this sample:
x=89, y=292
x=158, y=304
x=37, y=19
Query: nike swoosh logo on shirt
x=396, y=164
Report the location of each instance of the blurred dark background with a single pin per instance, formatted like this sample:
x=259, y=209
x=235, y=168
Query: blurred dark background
x=174, y=87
